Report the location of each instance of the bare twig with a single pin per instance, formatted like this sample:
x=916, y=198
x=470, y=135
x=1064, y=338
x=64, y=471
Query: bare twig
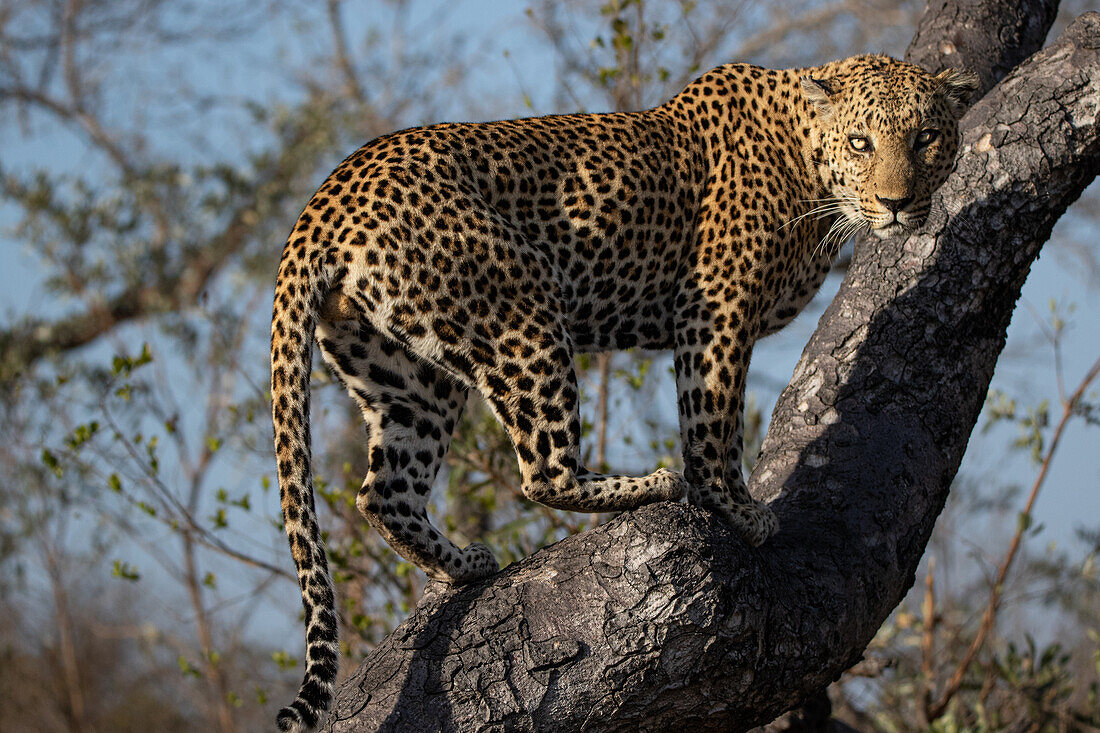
x=342, y=56
x=1069, y=406
x=928, y=612
x=603, y=363
x=70, y=663
x=180, y=518
x=869, y=667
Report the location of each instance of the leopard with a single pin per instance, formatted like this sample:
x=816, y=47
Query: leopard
x=483, y=256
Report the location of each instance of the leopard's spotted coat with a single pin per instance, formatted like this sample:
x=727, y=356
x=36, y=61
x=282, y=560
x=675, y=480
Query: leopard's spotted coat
x=484, y=256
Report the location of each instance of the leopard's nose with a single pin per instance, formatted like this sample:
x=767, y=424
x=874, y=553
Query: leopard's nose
x=895, y=205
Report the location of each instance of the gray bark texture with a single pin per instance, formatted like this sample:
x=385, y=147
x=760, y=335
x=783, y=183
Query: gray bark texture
x=662, y=619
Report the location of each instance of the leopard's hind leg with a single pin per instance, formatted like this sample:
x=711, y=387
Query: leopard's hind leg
x=410, y=408
x=531, y=385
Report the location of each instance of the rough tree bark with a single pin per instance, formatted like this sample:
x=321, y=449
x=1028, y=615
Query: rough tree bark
x=662, y=619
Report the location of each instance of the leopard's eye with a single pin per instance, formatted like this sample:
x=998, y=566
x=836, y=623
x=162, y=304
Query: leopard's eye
x=859, y=143
x=926, y=138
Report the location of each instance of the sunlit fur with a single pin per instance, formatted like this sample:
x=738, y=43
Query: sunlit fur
x=888, y=134
x=457, y=257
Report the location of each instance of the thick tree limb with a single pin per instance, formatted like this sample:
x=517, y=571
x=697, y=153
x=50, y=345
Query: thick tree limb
x=991, y=38
x=662, y=619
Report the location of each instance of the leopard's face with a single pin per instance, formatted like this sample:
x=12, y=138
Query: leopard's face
x=888, y=137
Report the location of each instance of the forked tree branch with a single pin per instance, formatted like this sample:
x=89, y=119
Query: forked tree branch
x=662, y=619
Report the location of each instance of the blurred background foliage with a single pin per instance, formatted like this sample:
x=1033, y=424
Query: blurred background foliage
x=156, y=154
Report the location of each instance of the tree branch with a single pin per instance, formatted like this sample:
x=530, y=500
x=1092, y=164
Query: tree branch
x=662, y=619
x=24, y=343
x=1069, y=409
x=991, y=38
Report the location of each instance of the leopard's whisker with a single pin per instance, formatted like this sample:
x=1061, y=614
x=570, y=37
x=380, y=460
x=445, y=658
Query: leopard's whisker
x=833, y=231
x=839, y=233
x=832, y=206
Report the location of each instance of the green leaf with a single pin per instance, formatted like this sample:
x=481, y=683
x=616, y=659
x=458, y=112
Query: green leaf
x=123, y=365
x=51, y=462
x=125, y=571
x=188, y=669
x=284, y=660
x=82, y=434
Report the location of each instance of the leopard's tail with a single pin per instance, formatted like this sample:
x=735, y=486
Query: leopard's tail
x=298, y=293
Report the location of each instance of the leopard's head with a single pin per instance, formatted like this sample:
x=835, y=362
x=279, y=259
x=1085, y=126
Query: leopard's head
x=888, y=134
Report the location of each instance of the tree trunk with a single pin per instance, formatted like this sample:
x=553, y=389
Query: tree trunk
x=662, y=619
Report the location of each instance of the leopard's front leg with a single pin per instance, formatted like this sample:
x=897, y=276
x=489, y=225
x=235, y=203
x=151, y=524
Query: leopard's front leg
x=712, y=360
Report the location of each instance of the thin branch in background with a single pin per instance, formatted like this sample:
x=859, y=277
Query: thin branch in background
x=1053, y=334
x=178, y=517
x=788, y=25
x=603, y=368
x=70, y=662
x=928, y=635
x=954, y=683
x=342, y=58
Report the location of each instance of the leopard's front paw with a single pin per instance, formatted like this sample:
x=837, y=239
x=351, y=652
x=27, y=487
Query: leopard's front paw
x=478, y=561
x=754, y=521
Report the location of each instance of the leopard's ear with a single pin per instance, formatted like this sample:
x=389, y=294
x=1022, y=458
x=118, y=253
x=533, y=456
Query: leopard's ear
x=958, y=86
x=819, y=93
